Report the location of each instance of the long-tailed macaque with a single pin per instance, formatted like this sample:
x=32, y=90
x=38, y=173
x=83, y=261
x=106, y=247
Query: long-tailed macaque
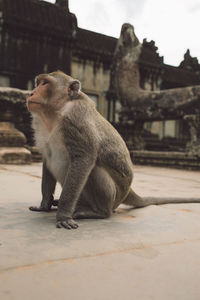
x=82, y=151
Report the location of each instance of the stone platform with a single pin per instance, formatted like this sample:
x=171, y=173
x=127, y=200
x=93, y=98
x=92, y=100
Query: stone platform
x=147, y=253
x=180, y=160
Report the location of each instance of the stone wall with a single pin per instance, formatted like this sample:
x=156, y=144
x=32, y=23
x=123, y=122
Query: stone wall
x=94, y=80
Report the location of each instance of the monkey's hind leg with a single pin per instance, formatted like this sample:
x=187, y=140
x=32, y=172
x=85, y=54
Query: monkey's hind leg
x=98, y=196
x=84, y=212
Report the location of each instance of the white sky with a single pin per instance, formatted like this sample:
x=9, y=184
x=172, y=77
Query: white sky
x=173, y=24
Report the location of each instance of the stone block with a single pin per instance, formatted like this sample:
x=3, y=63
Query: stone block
x=12, y=143
x=14, y=155
x=10, y=136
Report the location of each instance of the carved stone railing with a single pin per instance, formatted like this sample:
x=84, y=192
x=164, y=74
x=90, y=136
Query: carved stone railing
x=181, y=104
x=183, y=154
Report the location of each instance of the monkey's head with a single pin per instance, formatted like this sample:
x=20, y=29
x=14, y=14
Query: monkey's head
x=52, y=91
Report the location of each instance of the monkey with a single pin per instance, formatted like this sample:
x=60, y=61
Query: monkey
x=82, y=151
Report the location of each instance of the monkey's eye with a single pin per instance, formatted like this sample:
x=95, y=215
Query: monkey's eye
x=43, y=82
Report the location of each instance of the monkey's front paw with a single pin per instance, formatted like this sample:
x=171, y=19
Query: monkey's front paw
x=40, y=208
x=55, y=202
x=68, y=224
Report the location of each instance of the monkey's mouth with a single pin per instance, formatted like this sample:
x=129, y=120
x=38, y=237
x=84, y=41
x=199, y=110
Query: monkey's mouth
x=32, y=105
x=30, y=102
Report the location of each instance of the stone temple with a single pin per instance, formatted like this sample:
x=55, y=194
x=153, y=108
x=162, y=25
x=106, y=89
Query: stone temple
x=30, y=43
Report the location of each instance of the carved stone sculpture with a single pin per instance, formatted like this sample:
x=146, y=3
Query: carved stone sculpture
x=139, y=105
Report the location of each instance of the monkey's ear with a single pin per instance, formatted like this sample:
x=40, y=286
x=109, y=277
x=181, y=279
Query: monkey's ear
x=74, y=89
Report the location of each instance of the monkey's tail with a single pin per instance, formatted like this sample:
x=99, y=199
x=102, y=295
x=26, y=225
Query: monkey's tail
x=136, y=201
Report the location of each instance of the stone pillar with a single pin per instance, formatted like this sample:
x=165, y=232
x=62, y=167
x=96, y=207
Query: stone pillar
x=131, y=130
x=193, y=146
x=12, y=143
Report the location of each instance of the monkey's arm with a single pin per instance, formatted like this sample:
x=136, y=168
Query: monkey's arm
x=48, y=188
x=80, y=143
x=75, y=181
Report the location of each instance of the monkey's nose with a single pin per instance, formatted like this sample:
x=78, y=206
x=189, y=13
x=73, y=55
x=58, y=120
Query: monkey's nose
x=31, y=94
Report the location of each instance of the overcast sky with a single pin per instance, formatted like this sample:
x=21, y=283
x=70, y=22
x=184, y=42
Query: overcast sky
x=173, y=24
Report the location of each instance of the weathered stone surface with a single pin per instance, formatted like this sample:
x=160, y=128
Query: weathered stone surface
x=14, y=155
x=10, y=136
x=35, y=154
x=13, y=95
x=163, y=105
x=13, y=109
x=143, y=104
x=140, y=106
x=141, y=254
x=180, y=160
x=12, y=143
x=193, y=146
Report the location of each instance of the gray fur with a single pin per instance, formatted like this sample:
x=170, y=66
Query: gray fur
x=88, y=157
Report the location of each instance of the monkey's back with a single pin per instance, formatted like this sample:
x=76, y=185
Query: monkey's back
x=112, y=150
x=88, y=130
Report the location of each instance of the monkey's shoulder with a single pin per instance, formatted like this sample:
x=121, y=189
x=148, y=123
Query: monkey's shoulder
x=78, y=116
x=81, y=105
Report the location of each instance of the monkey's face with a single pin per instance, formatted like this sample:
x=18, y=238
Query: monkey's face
x=40, y=97
x=52, y=91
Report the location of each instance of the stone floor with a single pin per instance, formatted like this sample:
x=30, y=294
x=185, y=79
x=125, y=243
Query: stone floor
x=147, y=253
